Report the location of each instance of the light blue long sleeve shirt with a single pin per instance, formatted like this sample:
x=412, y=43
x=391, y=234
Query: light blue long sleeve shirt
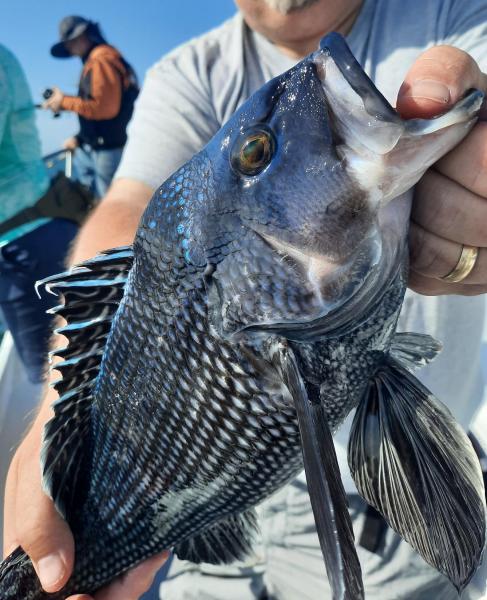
x=23, y=177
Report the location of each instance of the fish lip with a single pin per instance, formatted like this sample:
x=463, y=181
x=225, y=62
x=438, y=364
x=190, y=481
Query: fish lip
x=334, y=47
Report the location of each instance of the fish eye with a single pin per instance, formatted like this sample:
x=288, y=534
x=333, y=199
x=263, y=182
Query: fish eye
x=253, y=153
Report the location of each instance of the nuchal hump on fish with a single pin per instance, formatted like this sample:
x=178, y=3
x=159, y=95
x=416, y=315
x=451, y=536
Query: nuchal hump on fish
x=257, y=307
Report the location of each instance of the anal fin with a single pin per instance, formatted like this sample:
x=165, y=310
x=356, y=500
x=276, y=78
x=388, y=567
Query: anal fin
x=224, y=542
x=413, y=463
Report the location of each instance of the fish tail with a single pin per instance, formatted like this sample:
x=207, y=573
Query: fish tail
x=18, y=579
x=413, y=463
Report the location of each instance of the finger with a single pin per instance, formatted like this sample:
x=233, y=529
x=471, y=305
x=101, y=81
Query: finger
x=41, y=531
x=428, y=286
x=467, y=163
x=455, y=213
x=435, y=257
x=135, y=582
x=438, y=79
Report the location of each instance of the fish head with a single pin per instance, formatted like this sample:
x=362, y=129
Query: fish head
x=308, y=182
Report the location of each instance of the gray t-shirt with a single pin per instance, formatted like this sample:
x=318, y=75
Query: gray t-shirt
x=185, y=99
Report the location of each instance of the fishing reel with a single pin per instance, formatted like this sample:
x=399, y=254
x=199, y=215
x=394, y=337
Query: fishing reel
x=46, y=94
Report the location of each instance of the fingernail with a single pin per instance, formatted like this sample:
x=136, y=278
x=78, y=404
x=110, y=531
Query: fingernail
x=50, y=569
x=429, y=89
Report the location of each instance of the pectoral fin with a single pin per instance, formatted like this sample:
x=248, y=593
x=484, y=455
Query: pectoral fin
x=414, y=350
x=325, y=487
x=412, y=462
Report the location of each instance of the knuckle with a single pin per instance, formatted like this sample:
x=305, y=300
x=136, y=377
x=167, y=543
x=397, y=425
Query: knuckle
x=426, y=256
x=478, y=158
x=34, y=537
x=421, y=285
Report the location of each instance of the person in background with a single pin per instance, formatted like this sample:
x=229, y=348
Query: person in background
x=28, y=250
x=104, y=104
x=186, y=97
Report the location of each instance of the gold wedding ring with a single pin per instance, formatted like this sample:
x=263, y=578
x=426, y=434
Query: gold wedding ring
x=464, y=266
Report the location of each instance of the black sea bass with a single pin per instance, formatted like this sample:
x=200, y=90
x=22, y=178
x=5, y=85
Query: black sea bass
x=256, y=309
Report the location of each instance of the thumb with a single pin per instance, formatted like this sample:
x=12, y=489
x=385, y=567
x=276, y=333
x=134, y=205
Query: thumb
x=40, y=529
x=50, y=545
x=437, y=80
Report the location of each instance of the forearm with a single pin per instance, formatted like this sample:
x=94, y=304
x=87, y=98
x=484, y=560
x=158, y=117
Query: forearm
x=94, y=109
x=114, y=222
x=105, y=94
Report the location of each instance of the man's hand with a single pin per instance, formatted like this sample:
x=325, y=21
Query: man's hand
x=54, y=101
x=450, y=204
x=71, y=143
x=31, y=521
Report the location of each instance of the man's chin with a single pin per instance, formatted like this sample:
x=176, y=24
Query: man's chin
x=286, y=6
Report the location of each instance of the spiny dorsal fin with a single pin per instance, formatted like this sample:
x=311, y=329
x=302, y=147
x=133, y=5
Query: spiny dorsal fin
x=91, y=293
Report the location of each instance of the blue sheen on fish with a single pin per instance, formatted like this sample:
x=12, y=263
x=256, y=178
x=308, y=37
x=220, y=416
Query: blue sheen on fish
x=209, y=362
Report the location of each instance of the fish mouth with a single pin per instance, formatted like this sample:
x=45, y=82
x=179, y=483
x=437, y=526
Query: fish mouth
x=371, y=137
x=358, y=110
x=346, y=84
x=386, y=156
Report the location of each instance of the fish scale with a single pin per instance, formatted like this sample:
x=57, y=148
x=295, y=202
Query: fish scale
x=269, y=457
x=255, y=310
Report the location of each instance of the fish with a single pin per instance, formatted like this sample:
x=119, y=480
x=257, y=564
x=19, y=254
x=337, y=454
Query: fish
x=210, y=361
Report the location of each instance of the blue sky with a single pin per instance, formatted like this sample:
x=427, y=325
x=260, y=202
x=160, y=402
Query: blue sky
x=143, y=30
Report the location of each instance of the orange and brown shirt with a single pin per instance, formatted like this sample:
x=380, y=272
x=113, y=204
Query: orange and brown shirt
x=103, y=79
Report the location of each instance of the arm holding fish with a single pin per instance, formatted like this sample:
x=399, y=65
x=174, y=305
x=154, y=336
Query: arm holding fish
x=450, y=204
x=114, y=222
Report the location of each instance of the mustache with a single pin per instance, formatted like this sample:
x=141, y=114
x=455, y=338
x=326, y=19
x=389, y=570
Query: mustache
x=286, y=6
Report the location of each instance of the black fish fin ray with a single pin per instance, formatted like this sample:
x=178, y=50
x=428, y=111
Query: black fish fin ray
x=224, y=542
x=414, y=350
x=18, y=578
x=413, y=463
x=327, y=495
x=87, y=326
